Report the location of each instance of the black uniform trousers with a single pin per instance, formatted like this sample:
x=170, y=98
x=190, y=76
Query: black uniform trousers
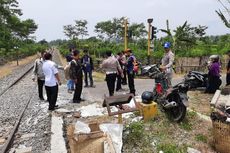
x=52, y=93
x=131, y=82
x=40, y=88
x=124, y=80
x=78, y=90
x=228, y=79
x=118, y=82
x=86, y=75
x=111, y=79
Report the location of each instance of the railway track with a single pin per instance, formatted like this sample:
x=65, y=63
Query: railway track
x=18, y=115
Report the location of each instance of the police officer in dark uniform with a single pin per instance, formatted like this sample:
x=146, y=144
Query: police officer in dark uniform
x=130, y=65
x=76, y=75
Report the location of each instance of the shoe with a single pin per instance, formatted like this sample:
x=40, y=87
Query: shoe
x=86, y=86
x=69, y=91
x=76, y=101
x=51, y=109
x=81, y=99
x=92, y=86
x=56, y=106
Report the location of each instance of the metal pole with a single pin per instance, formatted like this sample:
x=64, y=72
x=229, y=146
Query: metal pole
x=149, y=43
x=17, y=56
x=125, y=36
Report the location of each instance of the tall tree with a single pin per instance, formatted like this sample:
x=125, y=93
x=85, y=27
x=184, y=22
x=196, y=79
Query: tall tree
x=225, y=18
x=70, y=32
x=81, y=27
x=138, y=30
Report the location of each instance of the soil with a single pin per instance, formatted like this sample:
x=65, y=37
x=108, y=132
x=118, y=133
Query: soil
x=11, y=66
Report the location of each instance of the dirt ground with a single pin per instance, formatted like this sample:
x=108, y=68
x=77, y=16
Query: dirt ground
x=11, y=66
x=200, y=102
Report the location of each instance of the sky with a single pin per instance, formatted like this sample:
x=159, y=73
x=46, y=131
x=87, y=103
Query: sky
x=52, y=15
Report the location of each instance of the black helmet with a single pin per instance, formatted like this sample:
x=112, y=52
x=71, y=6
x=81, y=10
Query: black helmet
x=147, y=97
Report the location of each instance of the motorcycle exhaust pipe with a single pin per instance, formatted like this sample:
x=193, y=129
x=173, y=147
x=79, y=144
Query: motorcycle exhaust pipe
x=170, y=105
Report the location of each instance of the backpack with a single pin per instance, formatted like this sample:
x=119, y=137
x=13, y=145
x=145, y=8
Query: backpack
x=66, y=71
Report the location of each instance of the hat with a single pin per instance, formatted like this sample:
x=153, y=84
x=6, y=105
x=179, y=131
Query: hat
x=167, y=45
x=128, y=50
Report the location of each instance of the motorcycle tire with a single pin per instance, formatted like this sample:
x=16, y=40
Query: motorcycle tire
x=177, y=114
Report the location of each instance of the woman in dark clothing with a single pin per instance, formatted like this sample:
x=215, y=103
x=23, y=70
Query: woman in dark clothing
x=228, y=70
x=214, y=80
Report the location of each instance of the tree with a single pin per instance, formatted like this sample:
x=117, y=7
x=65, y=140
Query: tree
x=185, y=36
x=220, y=13
x=81, y=28
x=111, y=29
x=70, y=32
x=138, y=30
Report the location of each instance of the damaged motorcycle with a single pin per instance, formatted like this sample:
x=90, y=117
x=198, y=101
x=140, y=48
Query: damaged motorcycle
x=172, y=100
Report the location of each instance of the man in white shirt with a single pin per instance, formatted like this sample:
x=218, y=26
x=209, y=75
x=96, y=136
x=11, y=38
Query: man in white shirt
x=52, y=80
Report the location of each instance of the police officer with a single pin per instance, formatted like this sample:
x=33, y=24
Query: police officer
x=111, y=67
x=130, y=66
x=76, y=75
x=87, y=66
x=167, y=62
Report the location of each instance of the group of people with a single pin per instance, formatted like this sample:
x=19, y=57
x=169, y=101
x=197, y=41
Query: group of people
x=117, y=68
x=47, y=74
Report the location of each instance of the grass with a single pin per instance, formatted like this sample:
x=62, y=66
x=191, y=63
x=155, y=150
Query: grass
x=171, y=148
x=201, y=138
x=9, y=67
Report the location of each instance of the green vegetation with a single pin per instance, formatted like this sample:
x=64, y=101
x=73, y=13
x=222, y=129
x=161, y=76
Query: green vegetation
x=171, y=148
x=187, y=40
x=15, y=34
x=201, y=138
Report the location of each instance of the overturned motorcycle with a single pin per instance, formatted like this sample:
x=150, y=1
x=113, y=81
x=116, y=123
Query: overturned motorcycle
x=172, y=100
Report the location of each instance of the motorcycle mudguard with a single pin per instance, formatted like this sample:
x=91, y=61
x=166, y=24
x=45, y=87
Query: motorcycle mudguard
x=184, y=99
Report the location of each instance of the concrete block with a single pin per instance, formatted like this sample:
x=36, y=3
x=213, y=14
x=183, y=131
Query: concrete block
x=148, y=111
x=215, y=98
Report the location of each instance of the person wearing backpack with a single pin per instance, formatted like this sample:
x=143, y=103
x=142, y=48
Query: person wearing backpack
x=70, y=83
x=38, y=72
x=87, y=67
x=75, y=73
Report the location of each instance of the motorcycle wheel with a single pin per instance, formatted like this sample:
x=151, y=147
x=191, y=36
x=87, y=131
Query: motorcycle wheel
x=177, y=114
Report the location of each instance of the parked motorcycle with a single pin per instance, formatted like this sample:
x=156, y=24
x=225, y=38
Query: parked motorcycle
x=196, y=79
x=173, y=101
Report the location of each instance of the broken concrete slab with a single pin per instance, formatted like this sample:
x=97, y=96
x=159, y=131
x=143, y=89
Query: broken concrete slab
x=192, y=150
x=24, y=150
x=215, y=98
x=57, y=140
x=115, y=132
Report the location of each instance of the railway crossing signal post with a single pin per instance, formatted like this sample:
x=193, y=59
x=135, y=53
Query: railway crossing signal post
x=149, y=39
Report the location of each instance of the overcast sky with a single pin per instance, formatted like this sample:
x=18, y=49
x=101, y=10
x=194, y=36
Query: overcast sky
x=51, y=15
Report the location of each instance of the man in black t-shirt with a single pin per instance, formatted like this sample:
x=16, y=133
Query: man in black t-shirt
x=228, y=70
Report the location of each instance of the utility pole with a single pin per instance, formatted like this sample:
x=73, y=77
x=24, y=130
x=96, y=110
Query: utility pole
x=125, y=36
x=149, y=41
